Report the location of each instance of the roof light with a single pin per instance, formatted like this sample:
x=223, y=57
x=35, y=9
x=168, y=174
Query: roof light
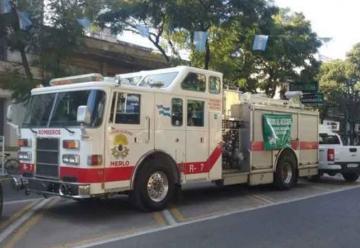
x=93, y=77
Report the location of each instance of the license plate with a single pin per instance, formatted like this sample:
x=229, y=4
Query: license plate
x=352, y=165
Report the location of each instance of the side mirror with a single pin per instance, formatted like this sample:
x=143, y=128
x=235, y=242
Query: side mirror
x=9, y=113
x=83, y=115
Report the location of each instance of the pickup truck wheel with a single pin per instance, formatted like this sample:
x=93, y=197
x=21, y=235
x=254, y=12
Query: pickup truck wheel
x=285, y=175
x=350, y=177
x=154, y=187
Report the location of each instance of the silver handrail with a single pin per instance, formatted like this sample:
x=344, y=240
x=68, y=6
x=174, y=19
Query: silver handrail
x=2, y=143
x=148, y=127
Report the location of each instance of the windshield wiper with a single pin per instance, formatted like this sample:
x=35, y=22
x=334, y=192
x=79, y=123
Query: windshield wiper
x=33, y=131
x=70, y=131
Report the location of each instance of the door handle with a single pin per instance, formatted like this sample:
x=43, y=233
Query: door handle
x=201, y=140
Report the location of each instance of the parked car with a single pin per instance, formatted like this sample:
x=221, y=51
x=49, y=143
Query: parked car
x=334, y=157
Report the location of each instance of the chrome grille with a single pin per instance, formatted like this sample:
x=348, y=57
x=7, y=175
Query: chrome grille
x=47, y=157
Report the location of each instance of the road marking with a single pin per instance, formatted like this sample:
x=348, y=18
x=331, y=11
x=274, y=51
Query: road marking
x=159, y=218
x=168, y=217
x=163, y=228
x=33, y=220
x=319, y=187
x=21, y=201
x=17, y=215
x=14, y=226
x=261, y=198
x=177, y=214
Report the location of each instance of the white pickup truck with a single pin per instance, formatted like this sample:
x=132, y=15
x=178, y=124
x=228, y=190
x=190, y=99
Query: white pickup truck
x=336, y=158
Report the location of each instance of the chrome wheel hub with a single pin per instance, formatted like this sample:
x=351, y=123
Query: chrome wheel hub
x=157, y=186
x=287, y=173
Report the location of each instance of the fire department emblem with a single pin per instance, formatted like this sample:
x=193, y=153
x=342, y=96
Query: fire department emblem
x=120, y=149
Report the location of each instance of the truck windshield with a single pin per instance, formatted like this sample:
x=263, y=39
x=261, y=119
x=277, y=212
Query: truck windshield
x=60, y=109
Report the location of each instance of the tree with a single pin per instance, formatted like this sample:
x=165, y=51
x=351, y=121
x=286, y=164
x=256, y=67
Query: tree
x=52, y=42
x=289, y=56
x=340, y=83
x=170, y=21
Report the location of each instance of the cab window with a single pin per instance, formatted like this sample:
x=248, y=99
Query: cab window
x=128, y=109
x=177, y=112
x=194, y=82
x=214, y=85
x=195, y=113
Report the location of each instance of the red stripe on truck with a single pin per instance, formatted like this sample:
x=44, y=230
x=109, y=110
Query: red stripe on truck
x=88, y=175
x=309, y=145
x=258, y=146
x=202, y=167
x=113, y=174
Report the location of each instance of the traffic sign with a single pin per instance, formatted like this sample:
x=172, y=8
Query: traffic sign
x=306, y=87
x=313, y=98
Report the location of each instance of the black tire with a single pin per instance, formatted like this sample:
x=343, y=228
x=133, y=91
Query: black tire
x=285, y=175
x=1, y=200
x=315, y=178
x=140, y=196
x=350, y=177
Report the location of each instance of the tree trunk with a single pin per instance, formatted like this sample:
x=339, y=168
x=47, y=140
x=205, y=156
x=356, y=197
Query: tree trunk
x=207, y=55
x=24, y=59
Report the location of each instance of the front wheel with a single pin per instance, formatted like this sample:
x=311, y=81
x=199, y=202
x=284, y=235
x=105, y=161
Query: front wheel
x=350, y=177
x=285, y=175
x=154, y=187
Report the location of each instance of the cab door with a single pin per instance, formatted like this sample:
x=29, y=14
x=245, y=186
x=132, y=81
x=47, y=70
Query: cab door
x=197, y=139
x=169, y=126
x=129, y=135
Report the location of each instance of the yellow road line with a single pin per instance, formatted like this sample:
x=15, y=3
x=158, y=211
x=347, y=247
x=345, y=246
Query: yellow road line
x=21, y=232
x=177, y=214
x=17, y=214
x=159, y=218
x=261, y=198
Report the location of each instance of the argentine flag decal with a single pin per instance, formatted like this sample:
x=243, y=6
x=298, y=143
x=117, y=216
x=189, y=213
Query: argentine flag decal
x=164, y=111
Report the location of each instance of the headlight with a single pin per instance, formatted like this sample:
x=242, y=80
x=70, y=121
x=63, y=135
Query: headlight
x=71, y=159
x=71, y=144
x=25, y=156
x=24, y=143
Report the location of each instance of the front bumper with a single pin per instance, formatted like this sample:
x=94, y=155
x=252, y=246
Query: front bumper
x=57, y=188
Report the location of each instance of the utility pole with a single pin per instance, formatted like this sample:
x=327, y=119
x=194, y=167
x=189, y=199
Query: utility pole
x=349, y=105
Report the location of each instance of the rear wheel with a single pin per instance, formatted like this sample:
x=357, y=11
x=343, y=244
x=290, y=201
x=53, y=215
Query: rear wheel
x=350, y=177
x=154, y=186
x=285, y=175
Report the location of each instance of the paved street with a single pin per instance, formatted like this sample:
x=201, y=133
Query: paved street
x=326, y=221
x=204, y=215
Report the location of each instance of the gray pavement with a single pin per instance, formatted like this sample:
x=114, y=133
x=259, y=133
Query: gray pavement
x=331, y=220
x=35, y=222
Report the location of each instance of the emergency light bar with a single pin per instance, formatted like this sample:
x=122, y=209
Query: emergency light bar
x=92, y=77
